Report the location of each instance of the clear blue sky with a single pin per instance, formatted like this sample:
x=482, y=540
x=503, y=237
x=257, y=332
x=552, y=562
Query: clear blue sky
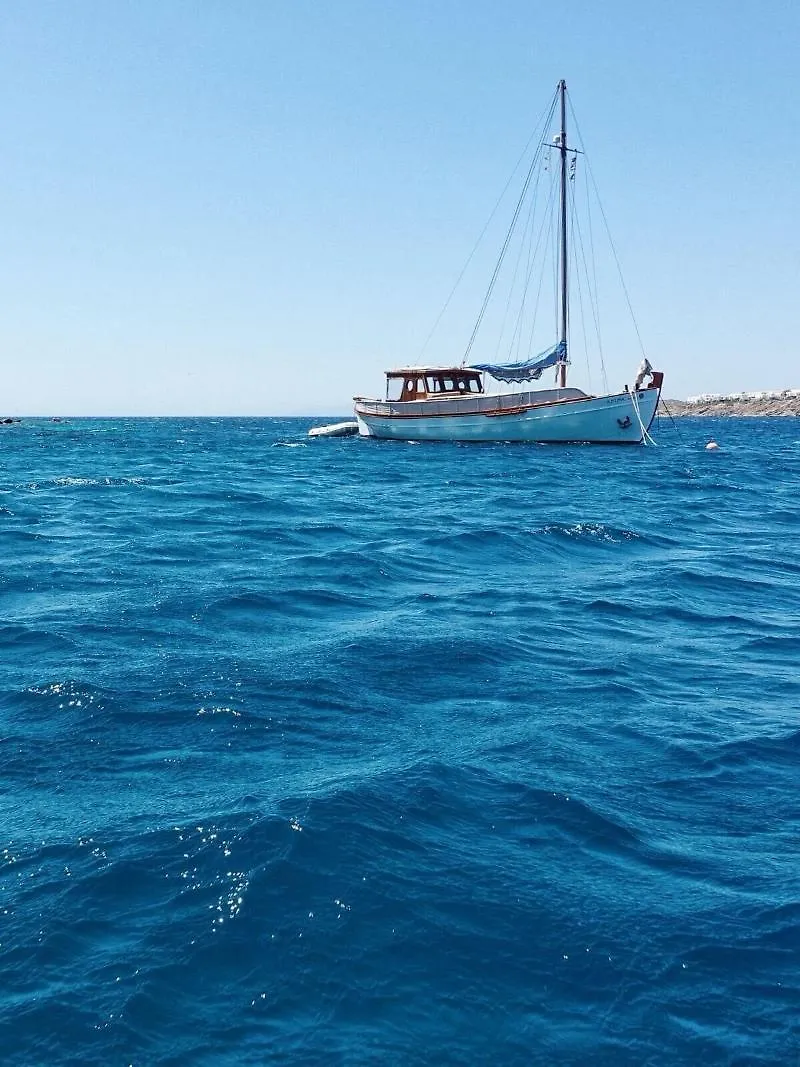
x=254, y=207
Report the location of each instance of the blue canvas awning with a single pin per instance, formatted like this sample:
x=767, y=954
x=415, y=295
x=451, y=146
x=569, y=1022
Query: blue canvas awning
x=529, y=369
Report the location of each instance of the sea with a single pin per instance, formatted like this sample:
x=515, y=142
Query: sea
x=346, y=752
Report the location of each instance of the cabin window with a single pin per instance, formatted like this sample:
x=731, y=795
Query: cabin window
x=413, y=388
x=420, y=386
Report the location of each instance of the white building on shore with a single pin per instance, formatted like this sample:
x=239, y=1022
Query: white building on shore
x=732, y=398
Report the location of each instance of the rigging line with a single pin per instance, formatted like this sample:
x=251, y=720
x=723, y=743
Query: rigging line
x=527, y=228
x=526, y=276
x=532, y=250
x=616, y=260
x=593, y=257
x=502, y=255
x=556, y=273
x=663, y=404
x=532, y=253
x=594, y=296
x=580, y=306
x=588, y=210
x=548, y=219
x=517, y=331
x=521, y=313
x=547, y=215
x=595, y=316
x=546, y=114
x=610, y=238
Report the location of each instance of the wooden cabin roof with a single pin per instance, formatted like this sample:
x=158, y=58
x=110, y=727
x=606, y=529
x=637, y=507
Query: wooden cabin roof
x=450, y=372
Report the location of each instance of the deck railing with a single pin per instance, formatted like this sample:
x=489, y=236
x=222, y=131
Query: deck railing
x=487, y=402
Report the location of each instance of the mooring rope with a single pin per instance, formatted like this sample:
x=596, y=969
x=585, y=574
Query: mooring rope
x=646, y=438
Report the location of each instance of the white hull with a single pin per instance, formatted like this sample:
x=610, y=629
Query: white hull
x=591, y=420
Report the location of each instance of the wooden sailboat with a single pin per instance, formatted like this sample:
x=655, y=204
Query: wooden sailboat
x=451, y=403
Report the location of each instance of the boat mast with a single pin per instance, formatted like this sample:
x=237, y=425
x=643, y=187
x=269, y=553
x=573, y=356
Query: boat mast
x=562, y=88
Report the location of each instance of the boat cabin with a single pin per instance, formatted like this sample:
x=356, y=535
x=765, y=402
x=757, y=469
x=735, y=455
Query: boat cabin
x=424, y=383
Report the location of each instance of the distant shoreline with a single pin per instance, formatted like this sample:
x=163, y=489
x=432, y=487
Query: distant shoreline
x=678, y=408
x=734, y=408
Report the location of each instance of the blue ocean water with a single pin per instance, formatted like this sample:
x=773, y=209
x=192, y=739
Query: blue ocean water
x=349, y=752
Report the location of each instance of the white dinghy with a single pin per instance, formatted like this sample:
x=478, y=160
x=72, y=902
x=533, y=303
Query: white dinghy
x=335, y=429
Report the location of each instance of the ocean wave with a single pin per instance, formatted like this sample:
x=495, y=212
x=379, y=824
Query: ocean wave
x=74, y=482
x=589, y=532
x=287, y=602
x=18, y=638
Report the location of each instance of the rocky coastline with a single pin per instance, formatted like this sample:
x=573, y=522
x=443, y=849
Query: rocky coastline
x=787, y=403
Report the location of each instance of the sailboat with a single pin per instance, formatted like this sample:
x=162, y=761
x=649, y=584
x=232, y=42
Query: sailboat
x=452, y=402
